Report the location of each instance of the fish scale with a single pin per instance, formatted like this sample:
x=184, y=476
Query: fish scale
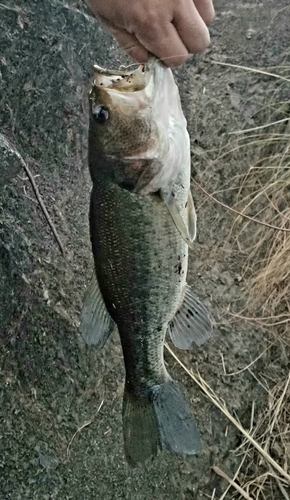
x=140, y=238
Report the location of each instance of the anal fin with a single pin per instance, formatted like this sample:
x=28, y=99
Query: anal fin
x=191, y=324
x=96, y=323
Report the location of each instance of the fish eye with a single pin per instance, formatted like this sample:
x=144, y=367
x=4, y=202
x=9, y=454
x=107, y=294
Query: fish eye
x=100, y=114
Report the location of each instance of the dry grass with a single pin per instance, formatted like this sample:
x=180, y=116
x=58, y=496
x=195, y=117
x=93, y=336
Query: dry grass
x=267, y=249
x=265, y=193
x=272, y=431
x=264, y=196
x=265, y=450
x=264, y=199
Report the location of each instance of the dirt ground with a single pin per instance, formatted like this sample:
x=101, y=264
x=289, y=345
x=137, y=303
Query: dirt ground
x=60, y=401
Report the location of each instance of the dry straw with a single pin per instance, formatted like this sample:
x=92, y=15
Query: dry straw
x=221, y=405
x=262, y=232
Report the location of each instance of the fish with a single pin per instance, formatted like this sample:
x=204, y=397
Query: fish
x=142, y=223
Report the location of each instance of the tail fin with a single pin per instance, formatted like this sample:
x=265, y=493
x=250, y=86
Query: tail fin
x=162, y=420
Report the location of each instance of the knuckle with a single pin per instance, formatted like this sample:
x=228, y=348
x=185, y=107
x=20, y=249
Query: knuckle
x=147, y=21
x=150, y=21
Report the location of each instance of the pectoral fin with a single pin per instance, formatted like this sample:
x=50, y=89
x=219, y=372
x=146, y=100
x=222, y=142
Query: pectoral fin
x=191, y=217
x=188, y=233
x=192, y=323
x=96, y=323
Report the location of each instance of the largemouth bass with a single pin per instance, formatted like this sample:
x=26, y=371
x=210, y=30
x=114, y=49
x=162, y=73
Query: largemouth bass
x=142, y=220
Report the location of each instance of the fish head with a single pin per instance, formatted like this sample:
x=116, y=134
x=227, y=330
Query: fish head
x=128, y=108
x=120, y=114
x=137, y=115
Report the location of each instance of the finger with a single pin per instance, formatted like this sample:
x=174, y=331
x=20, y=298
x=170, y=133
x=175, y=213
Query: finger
x=164, y=42
x=205, y=9
x=191, y=28
x=129, y=42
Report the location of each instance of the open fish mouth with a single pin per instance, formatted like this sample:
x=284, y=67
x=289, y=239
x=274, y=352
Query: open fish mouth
x=127, y=81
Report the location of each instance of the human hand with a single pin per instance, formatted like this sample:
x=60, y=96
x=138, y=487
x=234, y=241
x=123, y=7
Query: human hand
x=169, y=29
